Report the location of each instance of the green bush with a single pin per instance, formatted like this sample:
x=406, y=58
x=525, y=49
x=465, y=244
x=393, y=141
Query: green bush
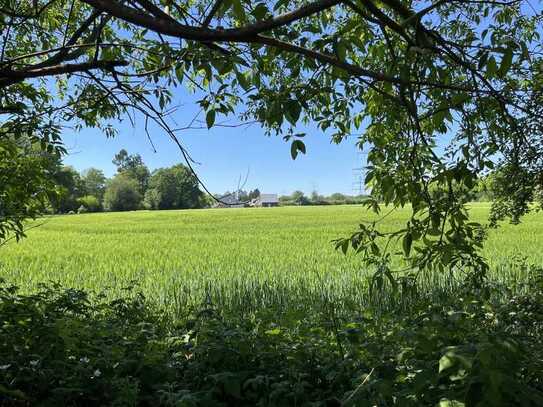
x=66, y=347
x=90, y=203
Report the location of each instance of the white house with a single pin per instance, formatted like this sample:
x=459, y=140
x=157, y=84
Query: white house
x=267, y=200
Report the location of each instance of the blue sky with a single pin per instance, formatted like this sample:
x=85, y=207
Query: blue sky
x=225, y=154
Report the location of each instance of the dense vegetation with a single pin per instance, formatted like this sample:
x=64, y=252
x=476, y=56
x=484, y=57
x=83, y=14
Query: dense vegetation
x=255, y=307
x=479, y=348
x=133, y=187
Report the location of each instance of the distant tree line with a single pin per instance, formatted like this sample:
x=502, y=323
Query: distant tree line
x=484, y=191
x=133, y=187
x=299, y=198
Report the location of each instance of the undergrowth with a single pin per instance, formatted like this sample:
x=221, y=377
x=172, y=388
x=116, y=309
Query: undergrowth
x=478, y=347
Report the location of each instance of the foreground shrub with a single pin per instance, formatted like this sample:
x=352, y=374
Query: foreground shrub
x=65, y=347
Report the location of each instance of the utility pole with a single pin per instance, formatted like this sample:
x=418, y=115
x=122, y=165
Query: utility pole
x=358, y=175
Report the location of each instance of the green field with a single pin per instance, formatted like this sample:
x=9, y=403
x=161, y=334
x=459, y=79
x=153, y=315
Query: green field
x=242, y=257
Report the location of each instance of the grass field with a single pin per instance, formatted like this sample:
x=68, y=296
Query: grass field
x=240, y=257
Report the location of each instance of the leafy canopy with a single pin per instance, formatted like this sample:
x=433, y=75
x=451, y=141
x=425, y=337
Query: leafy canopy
x=132, y=166
x=439, y=93
x=95, y=182
x=26, y=186
x=173, y=188
x=122, y=194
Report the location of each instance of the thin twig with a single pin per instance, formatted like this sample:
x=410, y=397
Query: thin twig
x=348, y=399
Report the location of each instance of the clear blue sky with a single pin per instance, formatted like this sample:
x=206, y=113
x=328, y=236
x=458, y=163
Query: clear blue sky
x=225, y=154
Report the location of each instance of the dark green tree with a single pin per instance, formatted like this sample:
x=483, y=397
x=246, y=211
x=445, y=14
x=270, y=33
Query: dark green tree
x=122, y=194
x=255, y=193
x=175, y=187
x=316, y=198
x=299, y=198
x=90, y=203
x=151, y=199
x=337, y=197
x=132, y=165
x=70, y=187
x=121, y=160
x=94, y=181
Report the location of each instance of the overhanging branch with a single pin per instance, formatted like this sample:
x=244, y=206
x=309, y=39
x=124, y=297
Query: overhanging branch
x=10, y=77
x=168, y=26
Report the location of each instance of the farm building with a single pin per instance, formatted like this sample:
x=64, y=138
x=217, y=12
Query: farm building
x=267, y=200
x=230, y=201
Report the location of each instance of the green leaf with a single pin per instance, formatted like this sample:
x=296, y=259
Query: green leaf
x=292, y=111
x=507, y=60
x=406, y=243
x=459, y=99
x=297, y=145
x=483, y=59
x=453, y=358
x=341, y=50
x=243, y=80
x=342, y=244
x=260, y=11
x=239, y=12
x=450, y=403
x=446, y=362
x=210, y=118
x=14, y=394
x=232, y=386
x=491, y=67
x=525, y=51
x=273, y=332
x=180, y=73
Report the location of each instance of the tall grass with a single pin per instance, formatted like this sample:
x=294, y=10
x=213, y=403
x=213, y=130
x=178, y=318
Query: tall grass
x=242, y=259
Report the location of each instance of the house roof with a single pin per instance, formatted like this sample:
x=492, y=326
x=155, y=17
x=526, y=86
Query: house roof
x=230, y=199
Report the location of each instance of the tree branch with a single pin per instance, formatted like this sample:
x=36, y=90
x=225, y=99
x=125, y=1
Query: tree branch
x=175, y=29
x=9, y=77
x=325, y=58
x=58, y=58
x=212, y=12
x=379, y=15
